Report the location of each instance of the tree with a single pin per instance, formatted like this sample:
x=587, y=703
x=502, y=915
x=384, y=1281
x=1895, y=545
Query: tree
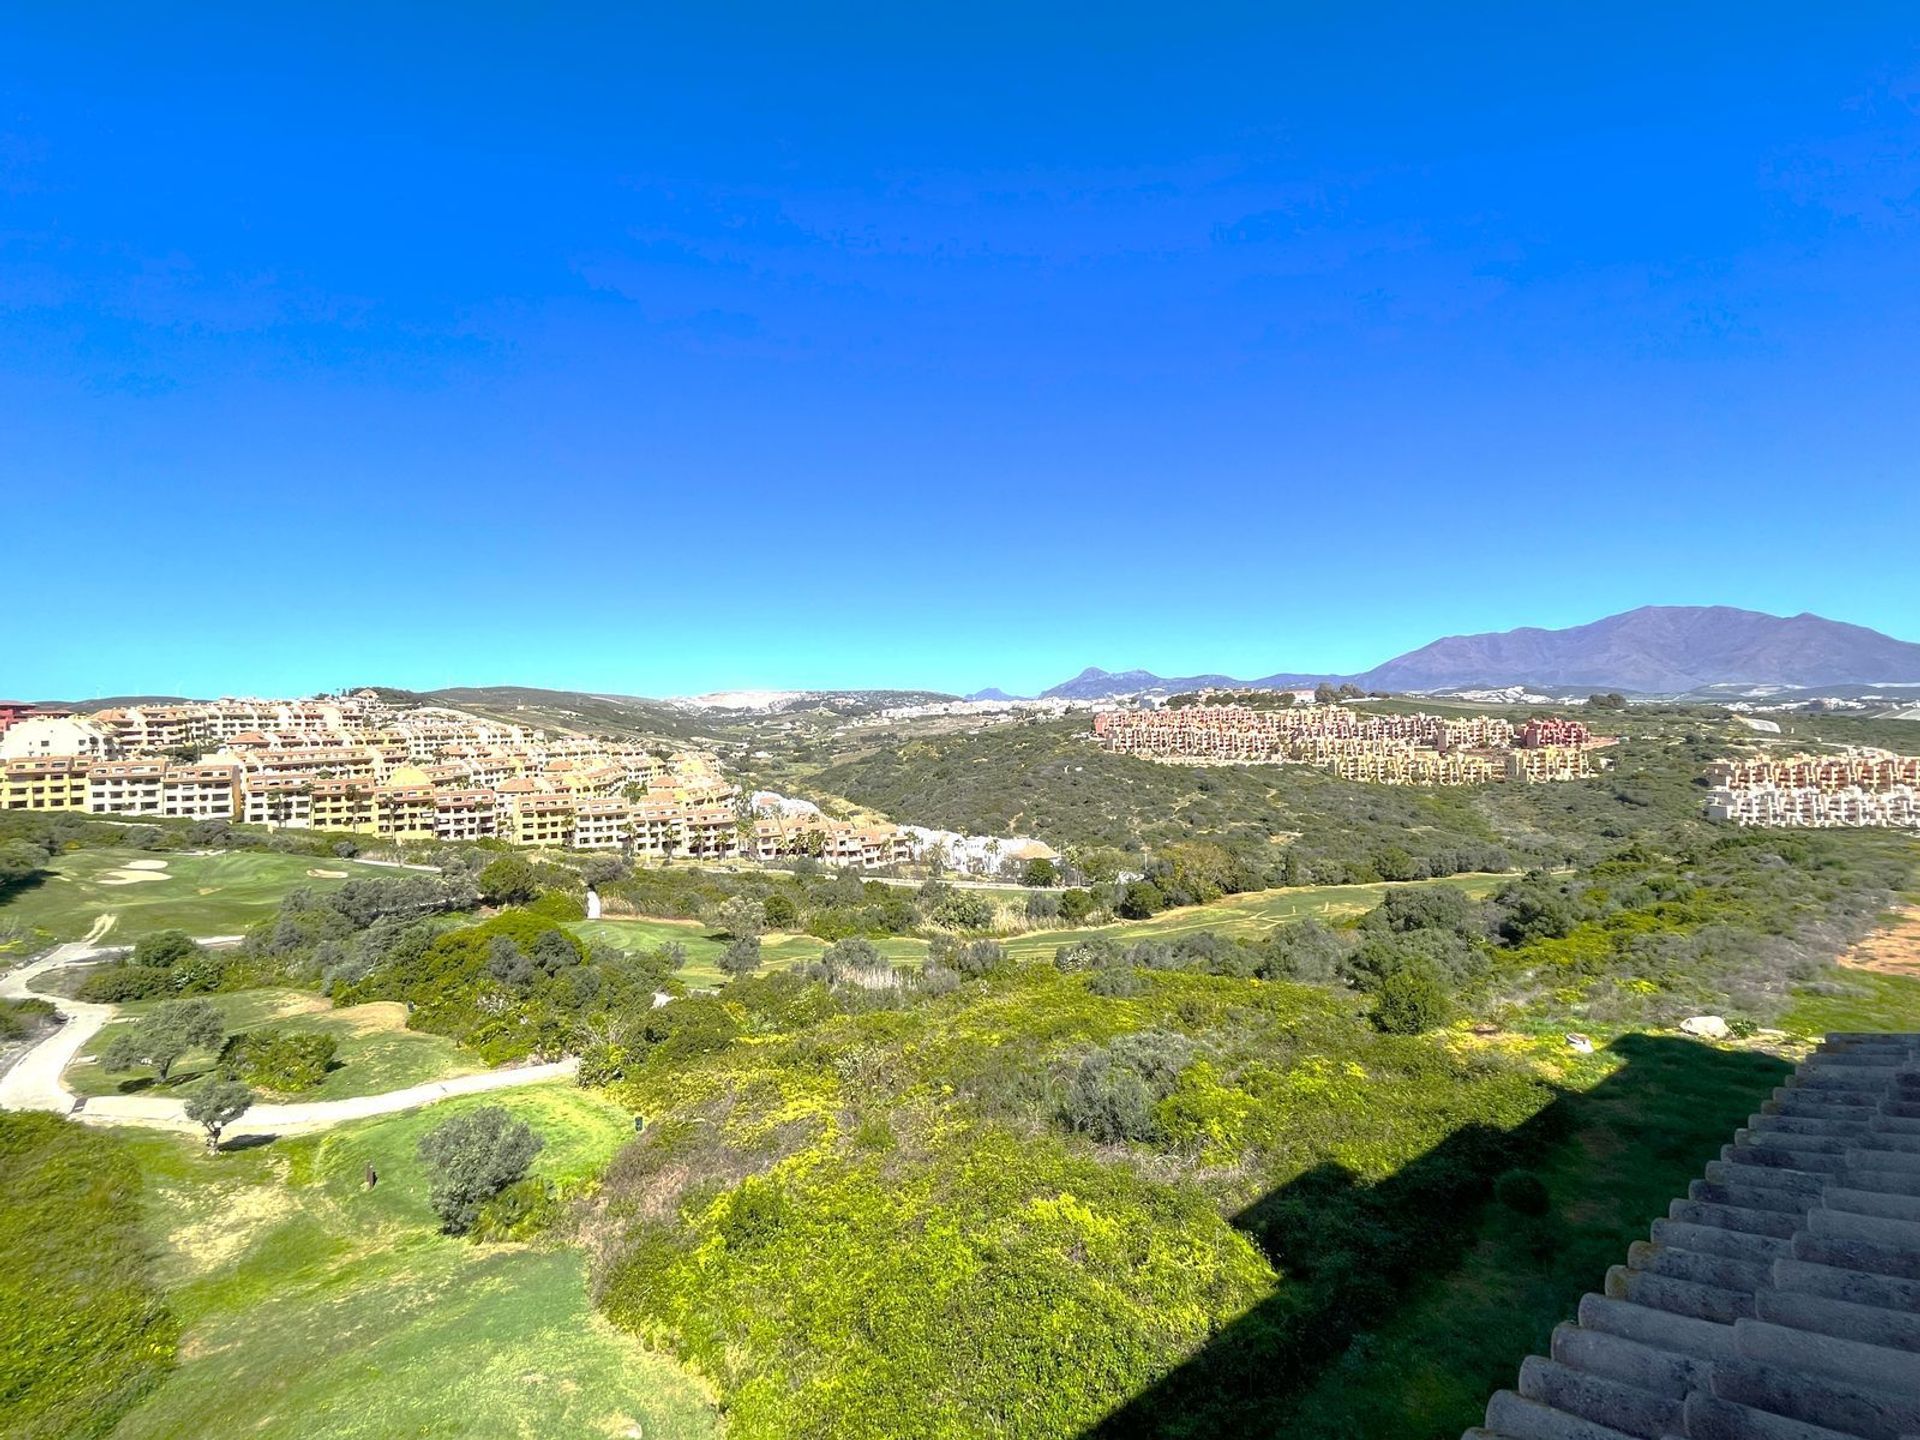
x=217, y=1106
x=164, y=948
x=509, y=880
x=1325, y=694
x=963, y=910
x=1411, y=1001
x=778, y=912
x=1041, y=873
x=741, y=957
x=1142, y=900
x=1075, y=906
x=160, y=1039
x=471, y=1158
x=740, y=918
x=508, y=963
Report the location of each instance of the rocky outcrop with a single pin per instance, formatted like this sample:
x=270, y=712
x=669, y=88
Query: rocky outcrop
x=1780, y=1300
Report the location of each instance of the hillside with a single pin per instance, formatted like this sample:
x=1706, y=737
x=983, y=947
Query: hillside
x=1657, y=649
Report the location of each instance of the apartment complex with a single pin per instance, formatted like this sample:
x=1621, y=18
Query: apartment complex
x=354, y=763
x=1358, y=745
x=1851, y=790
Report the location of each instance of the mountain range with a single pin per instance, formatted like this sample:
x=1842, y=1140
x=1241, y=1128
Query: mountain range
x=1655, y=650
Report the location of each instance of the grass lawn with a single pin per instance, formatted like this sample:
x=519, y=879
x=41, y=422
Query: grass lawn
x=220, y=894
x=377, y=1052
x=1248, y=916
x=314, y=1309
x=1855, y=1000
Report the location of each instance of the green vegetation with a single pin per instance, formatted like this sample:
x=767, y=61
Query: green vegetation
x=373, y=1051
x=146, y=891
x=87, y=1333
x=472, y=1157
x=271, y=1256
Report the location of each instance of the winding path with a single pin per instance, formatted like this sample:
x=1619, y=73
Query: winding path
x=33, y=1083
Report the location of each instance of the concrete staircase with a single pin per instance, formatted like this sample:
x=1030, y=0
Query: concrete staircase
x=1780, y=1300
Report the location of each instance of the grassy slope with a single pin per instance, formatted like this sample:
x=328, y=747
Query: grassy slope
x=85, y=1330
x=315, y=1308
x=1248, y=916
x=377, y=1052
x=203, y=894
x=1631, y=1134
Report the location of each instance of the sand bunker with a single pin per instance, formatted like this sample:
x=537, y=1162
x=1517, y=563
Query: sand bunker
x=145, y=865
x=1892, y=951
x=130, y=877
x=327, y=874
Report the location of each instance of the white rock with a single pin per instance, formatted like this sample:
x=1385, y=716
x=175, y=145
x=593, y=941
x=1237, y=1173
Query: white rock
x=1707, y=1027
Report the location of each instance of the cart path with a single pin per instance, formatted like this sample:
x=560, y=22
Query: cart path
x=33, y=1083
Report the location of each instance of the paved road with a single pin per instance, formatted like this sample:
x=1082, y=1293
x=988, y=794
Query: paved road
x=34, y=1081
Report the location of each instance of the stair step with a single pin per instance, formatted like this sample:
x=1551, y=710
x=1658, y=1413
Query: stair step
x=1834, y=1144
x=1710, y=1418
x=1743, y=1276
x=1752, y=1197
x=1625, y=1409
x=1887, y=1182
x=1663, y=1329
x=1856, y=1255
x=1514, y=1415
x=1855, y=1123
x=1843, y=1224
x=1870, y=1324
x=1875, y=1157
x=1735, y=1217
x=1872, y=1202
x=1852, y=1409
x=1712, y=1240
x=1894, y=1125
x=1835, y=1282
x=1765, y=1157
x=1852, y=1362
x=1682, y=1297
x=1628, y=1362
x=1793, y=1182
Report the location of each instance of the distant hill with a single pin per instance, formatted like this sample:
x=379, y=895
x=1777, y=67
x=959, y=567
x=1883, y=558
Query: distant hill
x=1657, y=649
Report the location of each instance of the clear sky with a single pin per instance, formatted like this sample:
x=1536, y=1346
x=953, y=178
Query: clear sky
x=709, y=346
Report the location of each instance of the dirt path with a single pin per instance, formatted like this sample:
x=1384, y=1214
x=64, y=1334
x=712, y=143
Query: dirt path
x=1892, y=951
x=33, y=1082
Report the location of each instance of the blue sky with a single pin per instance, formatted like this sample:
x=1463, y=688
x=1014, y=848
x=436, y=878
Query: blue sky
x=710, y=347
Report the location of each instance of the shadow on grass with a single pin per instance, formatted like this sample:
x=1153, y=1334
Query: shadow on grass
x=1386, y=1288
x=246, y=1142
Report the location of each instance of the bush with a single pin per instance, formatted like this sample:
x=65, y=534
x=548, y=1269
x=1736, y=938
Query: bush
x=471, y=1158
x=778, y=912
x=741, y=957
x=164, y=949
x=1075, y=906
x=1523, y=1192
x=277, y=1059
x=1141, y=900
x=1411, y=1001
x=117, y=984
x=964, y=910
x=1113, y=1095
x=510, y=880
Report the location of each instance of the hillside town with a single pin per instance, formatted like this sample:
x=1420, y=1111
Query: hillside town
x=1355, y=745
x=359, y=765
x=1857, y=788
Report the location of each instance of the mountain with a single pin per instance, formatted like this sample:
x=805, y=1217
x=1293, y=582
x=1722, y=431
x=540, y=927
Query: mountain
x=1660, y=649
x=990, y=693
x=1657, y=649
x=1096, y=684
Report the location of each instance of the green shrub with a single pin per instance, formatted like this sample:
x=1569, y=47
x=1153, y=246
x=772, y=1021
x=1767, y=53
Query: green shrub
x=164, y=948
x=20, y=1018
x=276, y=1059
x=1411, y=1001
x=117, y=984
x=472, y=1157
